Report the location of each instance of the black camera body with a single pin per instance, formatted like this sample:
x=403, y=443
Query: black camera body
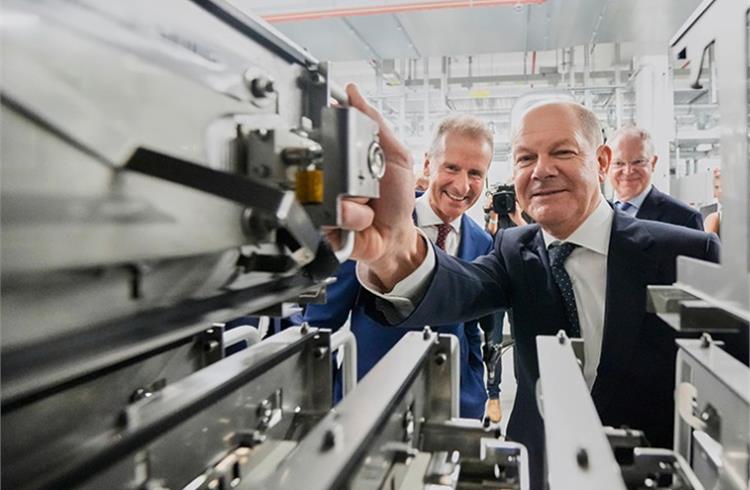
x=504, y=200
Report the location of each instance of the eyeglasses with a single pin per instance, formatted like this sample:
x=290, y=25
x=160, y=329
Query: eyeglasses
x=639, y=163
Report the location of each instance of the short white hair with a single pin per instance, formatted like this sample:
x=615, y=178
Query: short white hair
x=461, y=124
x=633, y=130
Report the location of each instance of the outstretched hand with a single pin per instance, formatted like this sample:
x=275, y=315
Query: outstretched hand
x=386, y=238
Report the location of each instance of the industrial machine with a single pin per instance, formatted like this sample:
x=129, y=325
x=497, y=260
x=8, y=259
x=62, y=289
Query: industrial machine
x=163, y=174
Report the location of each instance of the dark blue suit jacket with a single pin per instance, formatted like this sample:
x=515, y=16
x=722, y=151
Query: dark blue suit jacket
x=635, y=378
x=661, y=207
x=374, y=340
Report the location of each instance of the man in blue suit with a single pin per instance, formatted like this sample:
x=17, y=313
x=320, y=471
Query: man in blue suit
x=456, y=163
x=633, y=163
x=584, y=267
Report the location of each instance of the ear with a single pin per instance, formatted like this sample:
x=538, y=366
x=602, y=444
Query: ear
x=653, y=162
x=426, y=166
x=603, y=160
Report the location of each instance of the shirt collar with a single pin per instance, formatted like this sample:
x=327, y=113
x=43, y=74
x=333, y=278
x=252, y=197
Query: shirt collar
x=593, y=233
x=637, y=201
x=426, y=215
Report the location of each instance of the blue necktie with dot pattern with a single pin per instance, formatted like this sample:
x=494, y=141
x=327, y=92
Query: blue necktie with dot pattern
x=624, y=206
x=558, y=253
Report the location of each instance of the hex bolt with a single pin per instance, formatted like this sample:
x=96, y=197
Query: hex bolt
x=706, y=340
x=211, y=346
x=561, y=337
x=320, y=352
x=304, y=328
x=582, y=458
x=426, y=333
x=440, y=359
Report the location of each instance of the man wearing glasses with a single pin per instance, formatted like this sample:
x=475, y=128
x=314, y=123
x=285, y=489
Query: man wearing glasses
x=633, y=162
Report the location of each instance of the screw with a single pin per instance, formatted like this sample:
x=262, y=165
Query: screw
x=561, y=337
x=582, y=458
x=262, y=171
x=329, y=440
x=262, y=86
x=264, y=409
x=304, y=328
x=426, y=333
x=140, y=394
x=706, y=340
x=320, y=352
x=440, y=359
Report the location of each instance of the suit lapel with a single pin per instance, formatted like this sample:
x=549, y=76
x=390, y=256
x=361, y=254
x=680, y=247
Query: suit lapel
x=651, y=206
x=629, y=270
x=463, y=239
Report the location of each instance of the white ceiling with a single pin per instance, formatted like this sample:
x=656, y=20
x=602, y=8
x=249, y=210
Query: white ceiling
x=503, y=28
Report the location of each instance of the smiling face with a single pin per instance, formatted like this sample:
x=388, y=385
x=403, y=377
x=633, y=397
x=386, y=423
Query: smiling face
x=557, y=168
x=632, y=165
x=457, y=174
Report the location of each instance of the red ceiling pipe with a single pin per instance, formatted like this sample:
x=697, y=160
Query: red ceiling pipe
x=393, y=9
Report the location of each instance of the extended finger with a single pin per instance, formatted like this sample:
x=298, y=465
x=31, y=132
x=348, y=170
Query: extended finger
x=357, y=100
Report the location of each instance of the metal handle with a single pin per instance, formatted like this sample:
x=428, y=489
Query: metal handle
x=246, y=333
x=347, y=246
x=345, y=339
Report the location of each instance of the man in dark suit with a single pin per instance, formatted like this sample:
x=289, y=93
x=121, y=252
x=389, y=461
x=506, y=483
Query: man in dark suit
x=456, y=165
x=583, y=267
x=633, y=163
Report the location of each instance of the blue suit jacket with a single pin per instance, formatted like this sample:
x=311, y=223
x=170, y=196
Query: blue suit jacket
x=635, y=378
x=661, y=207
x=374, y=340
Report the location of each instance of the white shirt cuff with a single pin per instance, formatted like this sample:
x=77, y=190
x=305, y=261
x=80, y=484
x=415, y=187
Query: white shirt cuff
x=409, y=289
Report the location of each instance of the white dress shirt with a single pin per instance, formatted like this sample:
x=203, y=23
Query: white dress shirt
x=427, y=220
x=586, y=266
x=635, y=203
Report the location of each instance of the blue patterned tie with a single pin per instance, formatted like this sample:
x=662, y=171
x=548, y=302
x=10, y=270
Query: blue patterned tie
x=624, y=206
x=558, y=253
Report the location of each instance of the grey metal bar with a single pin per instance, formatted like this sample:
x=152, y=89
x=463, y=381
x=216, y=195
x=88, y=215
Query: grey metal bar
x=578, y=454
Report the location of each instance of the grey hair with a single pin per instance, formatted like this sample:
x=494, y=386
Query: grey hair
x=462, y=124
x=633, y=130
x=589, y=123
